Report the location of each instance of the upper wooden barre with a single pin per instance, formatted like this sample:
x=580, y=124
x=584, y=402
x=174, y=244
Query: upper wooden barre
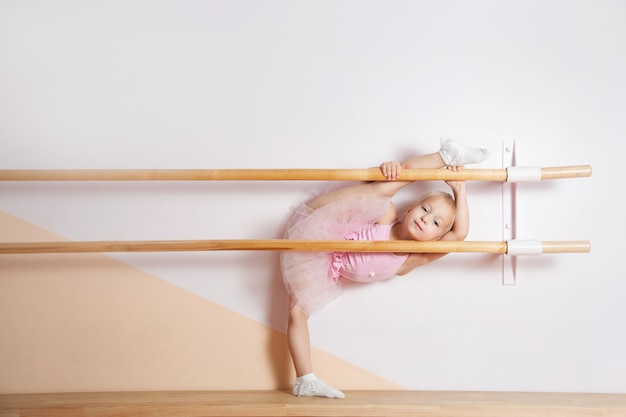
x=370, y=174
x=397, y=246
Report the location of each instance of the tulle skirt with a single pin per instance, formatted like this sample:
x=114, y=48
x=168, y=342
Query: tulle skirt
x=313, y=277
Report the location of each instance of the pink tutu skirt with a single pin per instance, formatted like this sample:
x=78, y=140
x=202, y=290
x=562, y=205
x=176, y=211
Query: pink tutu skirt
x=313, y=277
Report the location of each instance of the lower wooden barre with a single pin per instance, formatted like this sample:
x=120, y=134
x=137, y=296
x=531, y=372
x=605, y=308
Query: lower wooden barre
x=371, y=174
x=396, y=246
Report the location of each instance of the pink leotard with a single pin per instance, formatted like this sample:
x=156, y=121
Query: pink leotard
x=367, y=267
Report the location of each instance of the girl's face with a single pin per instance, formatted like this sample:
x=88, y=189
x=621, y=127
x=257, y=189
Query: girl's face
x=429, y=219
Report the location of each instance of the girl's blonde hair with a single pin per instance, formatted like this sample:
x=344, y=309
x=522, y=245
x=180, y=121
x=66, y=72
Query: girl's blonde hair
x=442, y=194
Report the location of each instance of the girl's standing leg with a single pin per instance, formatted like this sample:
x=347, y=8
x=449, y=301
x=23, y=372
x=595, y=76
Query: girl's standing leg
x=307, y=384
x=298, y=339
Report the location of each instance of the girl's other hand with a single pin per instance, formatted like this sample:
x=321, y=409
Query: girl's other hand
x=391, y=170
x=455, y=184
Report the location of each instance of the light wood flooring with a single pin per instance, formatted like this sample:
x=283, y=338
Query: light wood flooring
x=277, y=403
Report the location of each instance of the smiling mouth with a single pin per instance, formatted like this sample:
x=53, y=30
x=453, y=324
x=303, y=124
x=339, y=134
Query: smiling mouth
x=418, y=225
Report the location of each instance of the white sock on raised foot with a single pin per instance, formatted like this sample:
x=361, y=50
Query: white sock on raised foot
x=310, y=385
x=455, y=154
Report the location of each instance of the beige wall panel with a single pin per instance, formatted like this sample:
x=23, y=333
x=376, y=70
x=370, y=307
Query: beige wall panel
x=91, y=323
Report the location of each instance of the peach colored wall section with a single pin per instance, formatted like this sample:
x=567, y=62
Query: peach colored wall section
x=91, y=323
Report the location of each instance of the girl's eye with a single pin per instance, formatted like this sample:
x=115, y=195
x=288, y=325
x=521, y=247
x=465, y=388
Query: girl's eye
x=425, y=209
x=436, y=223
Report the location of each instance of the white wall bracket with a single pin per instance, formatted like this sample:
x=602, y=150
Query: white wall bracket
x=509, y=262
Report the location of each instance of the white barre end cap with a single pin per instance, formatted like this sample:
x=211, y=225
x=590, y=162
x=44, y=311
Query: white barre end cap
x=524, y=247
x=518, y=174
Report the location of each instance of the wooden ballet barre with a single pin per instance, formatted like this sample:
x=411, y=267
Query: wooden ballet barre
x=512, y=174
x=514, y=247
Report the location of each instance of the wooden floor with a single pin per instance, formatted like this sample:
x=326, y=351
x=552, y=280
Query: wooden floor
x=276, y=403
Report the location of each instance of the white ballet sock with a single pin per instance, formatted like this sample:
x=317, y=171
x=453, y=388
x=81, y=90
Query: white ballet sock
x=310, y=385
x=455, y=154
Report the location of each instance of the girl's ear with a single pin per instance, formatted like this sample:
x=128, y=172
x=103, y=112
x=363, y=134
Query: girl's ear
x=407, y=211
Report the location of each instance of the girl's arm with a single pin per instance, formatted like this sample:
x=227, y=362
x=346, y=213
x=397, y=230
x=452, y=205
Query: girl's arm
x=391, y=170
x=460, y=227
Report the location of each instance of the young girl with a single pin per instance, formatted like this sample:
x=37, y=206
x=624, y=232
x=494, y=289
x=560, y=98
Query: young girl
x=364, y=211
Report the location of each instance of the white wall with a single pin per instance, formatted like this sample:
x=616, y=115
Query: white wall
x=341, y=84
